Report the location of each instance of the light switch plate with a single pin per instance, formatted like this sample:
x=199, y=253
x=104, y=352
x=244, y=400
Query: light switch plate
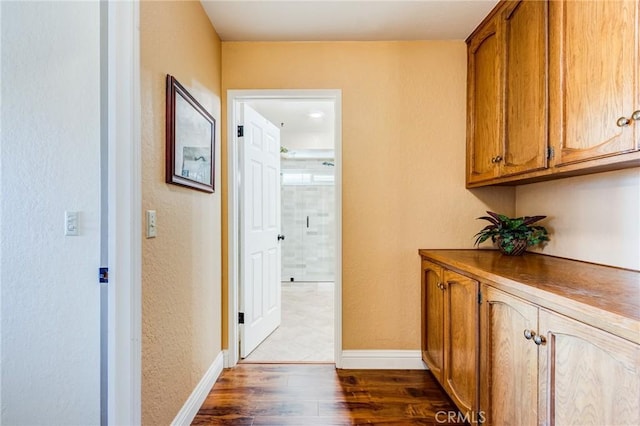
x=71, y=224
x=151, y=224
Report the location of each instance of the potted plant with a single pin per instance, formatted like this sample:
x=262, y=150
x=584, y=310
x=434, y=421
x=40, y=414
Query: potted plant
x=512, y=235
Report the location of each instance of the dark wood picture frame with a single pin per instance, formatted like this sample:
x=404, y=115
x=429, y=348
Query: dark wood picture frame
x=191, y=133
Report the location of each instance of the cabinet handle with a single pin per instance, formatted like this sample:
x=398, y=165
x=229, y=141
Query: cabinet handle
x=636, y=115
x=441, y=286
x=539, y=340
x=528, y=334
x=623, y=122
x=498, y=159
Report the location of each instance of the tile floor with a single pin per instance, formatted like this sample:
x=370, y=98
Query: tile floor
x=306, y=332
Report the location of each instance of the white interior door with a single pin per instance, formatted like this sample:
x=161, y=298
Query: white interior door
x=260, y=294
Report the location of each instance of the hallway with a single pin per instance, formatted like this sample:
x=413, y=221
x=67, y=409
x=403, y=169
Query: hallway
x=305, y=395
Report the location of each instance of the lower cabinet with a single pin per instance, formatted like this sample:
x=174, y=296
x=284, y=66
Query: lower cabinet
x=509, y=366
x=587, y=376
x=539, y=367
x=450, y=341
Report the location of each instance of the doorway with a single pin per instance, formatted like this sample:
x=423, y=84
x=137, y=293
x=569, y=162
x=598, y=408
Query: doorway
x=314, y=237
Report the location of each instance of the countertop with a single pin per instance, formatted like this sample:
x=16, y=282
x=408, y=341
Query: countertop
x=603, y=296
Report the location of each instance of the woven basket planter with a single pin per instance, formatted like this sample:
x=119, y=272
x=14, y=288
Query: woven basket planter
x=519, y=247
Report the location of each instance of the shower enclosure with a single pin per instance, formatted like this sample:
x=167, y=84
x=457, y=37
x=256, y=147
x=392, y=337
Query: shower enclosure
x=308, y=219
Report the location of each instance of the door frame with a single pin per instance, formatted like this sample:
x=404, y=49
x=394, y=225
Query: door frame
x=234, y=98
x=120, y=68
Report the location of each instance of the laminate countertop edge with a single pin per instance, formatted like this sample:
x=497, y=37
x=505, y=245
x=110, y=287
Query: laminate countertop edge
x=619, y=317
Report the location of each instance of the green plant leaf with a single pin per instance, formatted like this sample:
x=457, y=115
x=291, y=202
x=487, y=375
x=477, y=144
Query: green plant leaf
x=505, y=231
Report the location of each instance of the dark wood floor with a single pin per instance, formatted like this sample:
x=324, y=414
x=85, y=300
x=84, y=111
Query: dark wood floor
x=318, y=394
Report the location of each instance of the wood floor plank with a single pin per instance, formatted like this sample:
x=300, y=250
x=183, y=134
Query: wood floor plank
x=317, y=394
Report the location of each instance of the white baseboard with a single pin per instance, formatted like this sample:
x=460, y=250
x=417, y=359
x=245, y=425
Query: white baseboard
x=382, y=360
x=190, y=408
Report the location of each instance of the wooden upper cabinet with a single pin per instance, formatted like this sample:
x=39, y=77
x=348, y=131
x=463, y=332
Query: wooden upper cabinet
x=553, y=90
x=525, y=89
x=433, y=318
x=484, y=103
x=507, y=93
x=594, y=79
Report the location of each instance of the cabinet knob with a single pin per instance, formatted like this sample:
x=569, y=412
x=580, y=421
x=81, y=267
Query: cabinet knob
x=539, y=340
x=528, y=334
x=498, y=159
x=636, y=115
x=623, y=122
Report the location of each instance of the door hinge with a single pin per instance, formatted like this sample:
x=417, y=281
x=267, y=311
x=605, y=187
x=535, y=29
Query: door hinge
x=240, y=131
x=103, y=275
x=550, y=152
x=480, y=298
x=240, y=317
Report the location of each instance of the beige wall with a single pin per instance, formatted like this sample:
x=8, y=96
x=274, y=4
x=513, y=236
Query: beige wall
x=403, y=146
x=593, y=218
x=181, y=267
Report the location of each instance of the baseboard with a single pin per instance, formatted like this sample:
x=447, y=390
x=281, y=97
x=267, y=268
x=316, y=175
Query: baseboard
x=382, y=360
x=194, y=402
x=225, y=358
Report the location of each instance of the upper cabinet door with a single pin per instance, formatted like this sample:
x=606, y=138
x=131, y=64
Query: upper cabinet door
x=525, y=96
x=594, y=78
x=484, y=104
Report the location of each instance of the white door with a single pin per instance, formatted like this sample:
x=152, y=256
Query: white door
x=260, y=302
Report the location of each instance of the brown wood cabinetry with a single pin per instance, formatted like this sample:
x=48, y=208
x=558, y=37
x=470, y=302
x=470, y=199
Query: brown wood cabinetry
x=595, y=75
x=525, y=87
x=484, y=103
x=507, y=93
x=586, y=376
x=560, y=94
x=555, y=345
x=432, y=318
x=450, y=334
x=509, y=367
x=576, y=373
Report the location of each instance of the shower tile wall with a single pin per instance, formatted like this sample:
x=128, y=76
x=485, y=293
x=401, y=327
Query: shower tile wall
x=307, y=191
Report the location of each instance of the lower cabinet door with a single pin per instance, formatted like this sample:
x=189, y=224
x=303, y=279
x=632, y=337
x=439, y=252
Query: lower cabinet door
x=509, y=364
x=461, y=368
x=433, y=318
x=587, y=376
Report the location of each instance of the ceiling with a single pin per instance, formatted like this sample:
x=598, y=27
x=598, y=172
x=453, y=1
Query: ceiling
x=305, y=125
x=347, y=20
x=325, y=20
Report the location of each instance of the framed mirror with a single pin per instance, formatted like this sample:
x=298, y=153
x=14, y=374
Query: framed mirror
x=191, y=130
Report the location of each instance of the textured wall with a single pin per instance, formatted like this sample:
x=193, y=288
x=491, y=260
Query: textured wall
x=50, y=158
x=181, y=267
x=403, y=147
x=592, y=218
